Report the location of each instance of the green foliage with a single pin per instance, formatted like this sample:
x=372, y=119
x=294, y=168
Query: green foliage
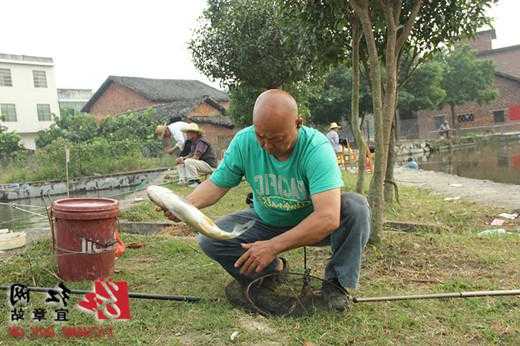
x=121, y=143
x=243, y=99
x=254, y=45
x=242, y=102
x=95, y=157
x=138, y=127
x=257, y=43
x=80, y=128
x=332, y=103
x=76, y=128
x=467, y=78
x=424, y=89
x=10, y=145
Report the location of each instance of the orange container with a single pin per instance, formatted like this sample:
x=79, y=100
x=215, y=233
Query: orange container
x=84, y=237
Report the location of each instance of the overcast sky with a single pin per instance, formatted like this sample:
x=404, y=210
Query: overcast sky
x=90, y=40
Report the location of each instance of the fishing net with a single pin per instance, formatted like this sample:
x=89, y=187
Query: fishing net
x=289, y=294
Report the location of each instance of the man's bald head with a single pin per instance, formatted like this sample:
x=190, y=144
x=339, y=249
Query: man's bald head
x=276, y=121
x=275, y=104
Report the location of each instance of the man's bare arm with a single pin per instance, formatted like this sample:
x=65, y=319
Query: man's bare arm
x=315, y=227
x=206, y=194
x=167, y=144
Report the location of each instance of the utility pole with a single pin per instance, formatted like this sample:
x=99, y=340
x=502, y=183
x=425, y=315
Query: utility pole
x=67, y=159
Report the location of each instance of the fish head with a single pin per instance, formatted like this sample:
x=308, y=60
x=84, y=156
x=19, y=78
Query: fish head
x=161, y=196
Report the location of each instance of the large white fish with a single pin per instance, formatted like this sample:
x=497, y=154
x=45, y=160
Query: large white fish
x=166, y=199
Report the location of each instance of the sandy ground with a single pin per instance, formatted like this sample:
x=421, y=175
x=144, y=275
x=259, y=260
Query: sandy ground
x=481, y=191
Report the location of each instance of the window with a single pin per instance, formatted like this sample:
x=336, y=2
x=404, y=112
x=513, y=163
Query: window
x=499, y=116
x=464, y=118
x=40, y=79
x=7, y=112
x=44, y=112
x=5, y=77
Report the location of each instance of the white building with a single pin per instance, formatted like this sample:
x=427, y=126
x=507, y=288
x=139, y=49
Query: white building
x=73, y=99
x=28, y=95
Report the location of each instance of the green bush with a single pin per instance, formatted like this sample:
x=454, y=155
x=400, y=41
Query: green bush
x=80, y=128
x=76, y=128
x=96, y=157
x=123, y=143
x=10, y=146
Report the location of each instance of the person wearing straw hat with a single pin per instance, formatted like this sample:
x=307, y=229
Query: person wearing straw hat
x=333, y=137
x=200, y=160
x=170, y=133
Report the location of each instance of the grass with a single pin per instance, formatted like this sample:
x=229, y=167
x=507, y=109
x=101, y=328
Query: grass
x=453, y=259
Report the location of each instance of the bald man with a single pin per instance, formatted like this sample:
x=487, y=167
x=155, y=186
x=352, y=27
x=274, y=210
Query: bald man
x=297, y=201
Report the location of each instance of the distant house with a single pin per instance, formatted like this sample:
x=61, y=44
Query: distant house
x=28, y=96
x=190, y=99
x=73, y=99
x=502, y=114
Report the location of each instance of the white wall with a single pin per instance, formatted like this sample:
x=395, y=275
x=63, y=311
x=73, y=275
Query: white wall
x=25, y=96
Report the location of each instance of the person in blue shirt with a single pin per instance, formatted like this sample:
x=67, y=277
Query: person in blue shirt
x=297, y=200
x=411, y=163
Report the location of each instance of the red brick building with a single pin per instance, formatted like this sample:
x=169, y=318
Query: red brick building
x=193, y=100
x=502, y=114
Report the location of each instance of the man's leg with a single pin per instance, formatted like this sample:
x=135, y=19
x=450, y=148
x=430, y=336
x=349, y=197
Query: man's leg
x=227, y=252
x=349, y=240
x=194, y=168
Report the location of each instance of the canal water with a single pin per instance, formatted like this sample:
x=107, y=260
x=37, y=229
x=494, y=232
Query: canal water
x=30, y=213
x=498, y=162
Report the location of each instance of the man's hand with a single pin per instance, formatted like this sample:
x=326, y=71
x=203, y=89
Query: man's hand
x=169, y=215
x=257, y=257
x=179, y=160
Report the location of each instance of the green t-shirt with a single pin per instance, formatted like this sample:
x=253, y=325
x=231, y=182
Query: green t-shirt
x=282, y=190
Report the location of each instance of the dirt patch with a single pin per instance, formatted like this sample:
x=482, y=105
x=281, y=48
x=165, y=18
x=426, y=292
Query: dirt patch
x=178, y=230
x=255, y=325
x=481, y=191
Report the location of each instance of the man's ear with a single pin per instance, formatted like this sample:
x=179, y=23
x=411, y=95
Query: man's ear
x=299, y=122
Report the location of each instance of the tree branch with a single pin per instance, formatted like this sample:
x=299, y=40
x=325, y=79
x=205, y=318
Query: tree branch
x=403, y=36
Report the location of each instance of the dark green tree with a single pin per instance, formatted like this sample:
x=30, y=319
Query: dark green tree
x=389, y=29
x=254, y=45
x=333, y=102
x=423, y=90
x=467, y=79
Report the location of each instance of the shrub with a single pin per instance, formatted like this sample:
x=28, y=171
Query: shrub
x=10, y=145
x=96, y=157
x=75, y=128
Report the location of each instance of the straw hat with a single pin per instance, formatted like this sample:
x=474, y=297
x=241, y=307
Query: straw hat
x=192, y=127
x=160, y=130
x=334, y=126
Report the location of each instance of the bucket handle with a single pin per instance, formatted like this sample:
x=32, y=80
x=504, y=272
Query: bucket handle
x=50, y=216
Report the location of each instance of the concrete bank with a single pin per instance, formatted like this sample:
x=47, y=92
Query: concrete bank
x=15, y=191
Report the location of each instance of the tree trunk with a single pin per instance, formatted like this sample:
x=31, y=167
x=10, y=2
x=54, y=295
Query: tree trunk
x=389, y=178
x=354, y=118
x=453, y=120
x=375, y=194
x=384, y=110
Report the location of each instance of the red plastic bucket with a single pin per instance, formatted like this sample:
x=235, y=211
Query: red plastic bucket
x=84, y=237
